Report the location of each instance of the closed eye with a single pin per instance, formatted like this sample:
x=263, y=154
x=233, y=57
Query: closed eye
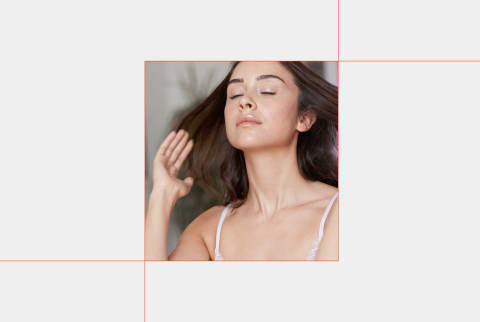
x=235, y=96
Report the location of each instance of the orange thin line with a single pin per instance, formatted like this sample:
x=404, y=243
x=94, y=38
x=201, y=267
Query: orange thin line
x=338, y=161
x=71, y=260
x=338, y=60
x=249, y=260
x=144, y=150
x=144, y=189
x=228, y=61
x=408, y=61
x=338, y=147
x=144, y=291
x=338, y=30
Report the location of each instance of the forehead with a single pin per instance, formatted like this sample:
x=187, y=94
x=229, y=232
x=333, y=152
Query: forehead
x=248, y=70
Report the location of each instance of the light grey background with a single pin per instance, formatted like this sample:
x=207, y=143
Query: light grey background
x=171, y=88
x=72, y=161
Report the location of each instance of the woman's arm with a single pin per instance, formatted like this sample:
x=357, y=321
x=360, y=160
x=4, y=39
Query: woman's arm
x=192, y=244
x=160, y=207
x=167, y=189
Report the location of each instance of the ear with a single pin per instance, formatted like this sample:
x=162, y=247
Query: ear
x=306, y=121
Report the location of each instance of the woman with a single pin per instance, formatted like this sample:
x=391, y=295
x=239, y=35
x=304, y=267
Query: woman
x=266, y=143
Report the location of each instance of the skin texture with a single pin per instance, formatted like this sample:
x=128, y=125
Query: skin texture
x=282, y=213
x=167, y=189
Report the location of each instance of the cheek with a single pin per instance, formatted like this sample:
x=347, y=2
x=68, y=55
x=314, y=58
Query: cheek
x=284, y=113
x=229, y=118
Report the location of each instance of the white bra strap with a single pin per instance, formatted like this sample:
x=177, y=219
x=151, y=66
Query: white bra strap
x=316, y=244
x=324, y=217
x=219, y=228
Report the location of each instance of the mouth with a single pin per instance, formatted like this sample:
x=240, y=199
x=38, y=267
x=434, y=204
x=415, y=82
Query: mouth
x=248, y=120
x=248, y=123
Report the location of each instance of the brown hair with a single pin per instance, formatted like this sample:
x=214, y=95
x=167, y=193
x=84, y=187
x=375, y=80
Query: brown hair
x=220, y=168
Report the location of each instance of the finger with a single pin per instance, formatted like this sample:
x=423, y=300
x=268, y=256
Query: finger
x=163, y=147
x=183, y=155
x=173, y=144
x=178, y=150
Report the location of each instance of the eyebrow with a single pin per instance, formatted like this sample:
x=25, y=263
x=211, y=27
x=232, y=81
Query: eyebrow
x=240, y=80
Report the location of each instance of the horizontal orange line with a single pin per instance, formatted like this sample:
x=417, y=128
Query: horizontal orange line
x=71, y=260
x=338, y=61
x=141, y=260
x=408, y=61
x=214, y=61
x=252, y=260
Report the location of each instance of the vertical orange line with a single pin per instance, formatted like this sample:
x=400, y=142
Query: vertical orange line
x=339, y=127
x=144, y=150
x=144, y=291
x=144, y=184
x=338, y=31
x=338, y=160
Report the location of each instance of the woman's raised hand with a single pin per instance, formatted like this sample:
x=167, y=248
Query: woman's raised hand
x=168, y=161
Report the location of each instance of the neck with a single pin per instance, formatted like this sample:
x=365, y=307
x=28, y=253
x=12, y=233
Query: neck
x=275, y=181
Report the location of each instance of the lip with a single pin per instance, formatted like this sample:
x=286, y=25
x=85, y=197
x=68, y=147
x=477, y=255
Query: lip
x=247, y=123
x=248, y=120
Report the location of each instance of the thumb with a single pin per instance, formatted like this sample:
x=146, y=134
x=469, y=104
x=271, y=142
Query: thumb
x=188, y=181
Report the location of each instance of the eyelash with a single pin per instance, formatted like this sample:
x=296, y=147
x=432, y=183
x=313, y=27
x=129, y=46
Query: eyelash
x=235, y=96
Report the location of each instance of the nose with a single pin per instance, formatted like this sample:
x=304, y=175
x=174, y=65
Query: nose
x=246, y=103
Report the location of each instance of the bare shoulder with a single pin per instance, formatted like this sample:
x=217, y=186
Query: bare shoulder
x=206, y=220
x=206, y=225
x=198, y=239
x=326, y=188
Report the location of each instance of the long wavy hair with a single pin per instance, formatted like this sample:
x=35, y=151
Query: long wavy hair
x=220, y=168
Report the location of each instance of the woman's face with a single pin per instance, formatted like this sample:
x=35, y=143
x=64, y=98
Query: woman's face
x=267, y=92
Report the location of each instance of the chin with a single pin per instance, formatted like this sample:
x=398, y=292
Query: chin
x=247, y=144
